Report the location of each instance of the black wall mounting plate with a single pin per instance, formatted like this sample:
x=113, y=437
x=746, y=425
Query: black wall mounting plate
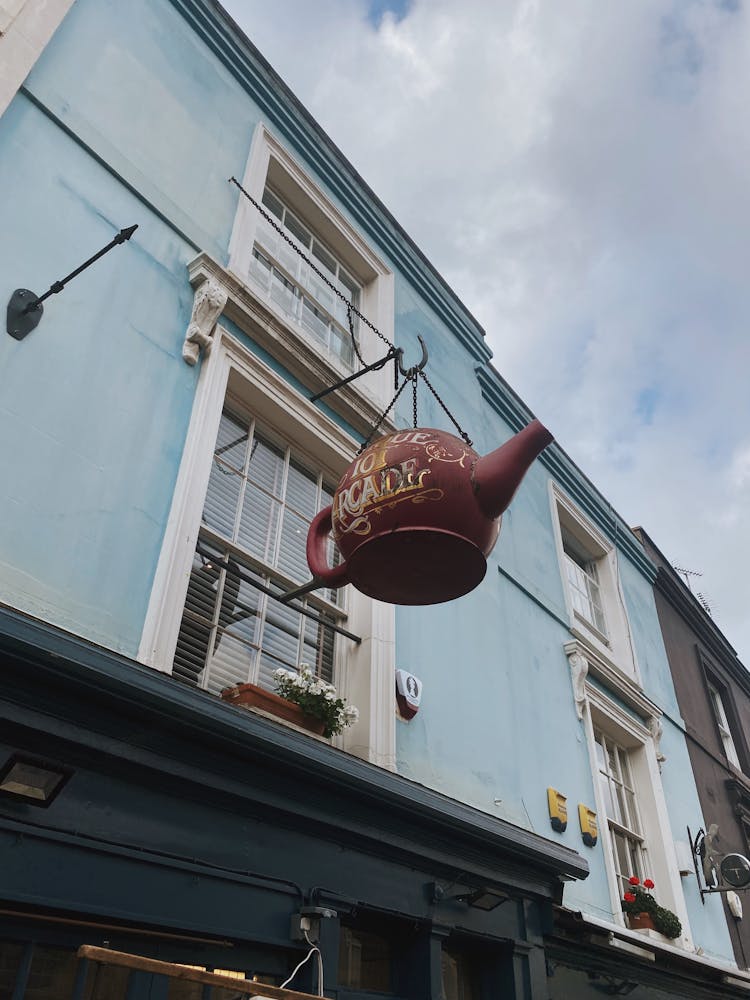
x=20, y=323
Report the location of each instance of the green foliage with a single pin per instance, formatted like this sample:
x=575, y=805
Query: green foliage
x=667, y=923
x=641, y=901
x=644, y=902
x=316, y=698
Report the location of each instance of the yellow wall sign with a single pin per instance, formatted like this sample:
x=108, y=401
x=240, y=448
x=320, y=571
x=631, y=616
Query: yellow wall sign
x=558, y=811
x=589, y=829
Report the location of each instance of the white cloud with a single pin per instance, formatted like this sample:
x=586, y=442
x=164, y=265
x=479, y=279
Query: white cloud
x=577, y=172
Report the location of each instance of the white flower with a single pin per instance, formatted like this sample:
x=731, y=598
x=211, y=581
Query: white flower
x=351, y=714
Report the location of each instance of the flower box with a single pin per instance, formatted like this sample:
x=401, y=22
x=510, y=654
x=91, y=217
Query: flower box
x=252, y=696
x=640, y=922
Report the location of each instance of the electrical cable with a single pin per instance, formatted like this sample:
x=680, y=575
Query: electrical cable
x=314, y=949
x=320, y=964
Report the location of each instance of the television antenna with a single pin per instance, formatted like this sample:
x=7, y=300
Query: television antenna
x=687, y=573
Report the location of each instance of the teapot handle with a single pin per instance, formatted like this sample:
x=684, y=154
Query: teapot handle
x=317, y=543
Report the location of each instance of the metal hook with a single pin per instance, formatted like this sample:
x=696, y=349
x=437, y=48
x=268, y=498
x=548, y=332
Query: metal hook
x=411, y=372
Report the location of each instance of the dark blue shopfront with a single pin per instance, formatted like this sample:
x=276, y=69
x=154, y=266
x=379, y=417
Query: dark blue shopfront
x=194, y=832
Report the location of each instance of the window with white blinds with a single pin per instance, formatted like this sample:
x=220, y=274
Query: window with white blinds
x=260, y=500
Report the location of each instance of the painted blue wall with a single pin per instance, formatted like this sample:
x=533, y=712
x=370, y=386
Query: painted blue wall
x=95, y=406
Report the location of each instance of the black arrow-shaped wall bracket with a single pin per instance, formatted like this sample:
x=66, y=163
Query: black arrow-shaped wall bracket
x=25, y=309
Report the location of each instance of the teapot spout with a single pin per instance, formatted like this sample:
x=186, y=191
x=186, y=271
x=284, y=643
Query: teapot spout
x=497, y=476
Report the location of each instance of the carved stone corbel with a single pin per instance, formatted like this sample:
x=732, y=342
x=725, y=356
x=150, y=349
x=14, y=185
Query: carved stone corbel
x=579, y=668
x=210, y=299
x=656, y=729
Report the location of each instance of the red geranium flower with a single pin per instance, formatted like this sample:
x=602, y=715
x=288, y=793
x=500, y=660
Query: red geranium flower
x=629, y=897
x=648, y=883
x=634, y=880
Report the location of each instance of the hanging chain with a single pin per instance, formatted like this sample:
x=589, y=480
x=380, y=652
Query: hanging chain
x=382, y=417
x=453, y=420
x=355, y=345
x=336, y=291
x=414, y=382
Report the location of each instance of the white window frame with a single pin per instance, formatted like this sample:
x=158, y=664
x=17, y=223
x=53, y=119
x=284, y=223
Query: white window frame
x=615, y=647
x=377, y=298
x=604, y=714
x=719, y=711
x=363, y=674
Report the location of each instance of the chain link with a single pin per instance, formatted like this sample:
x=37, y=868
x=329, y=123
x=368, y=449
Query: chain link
x=382, y=417
x=453, y=420
x=414, y=381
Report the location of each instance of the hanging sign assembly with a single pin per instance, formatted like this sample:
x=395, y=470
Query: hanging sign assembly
x=25, y=308
x=716, y=871
x=417, y=513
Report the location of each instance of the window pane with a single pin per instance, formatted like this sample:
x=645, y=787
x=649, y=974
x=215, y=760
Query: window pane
x=297, y=230
x=324, y=259
x=259, y=524
x=266, y=466
x=609, y=802
x=364, y=961
x=292, y=554
x=317, y=649
x=239, y=606
x=222, y=499
x=341, y=345
x=232, y=663
x=302, y=490
x=283, y=293
x=280, y=641
x=191, y=652
x=231, y=443
x=273, y=204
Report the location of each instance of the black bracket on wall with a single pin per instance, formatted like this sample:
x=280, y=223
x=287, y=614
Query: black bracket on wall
x=25, y=308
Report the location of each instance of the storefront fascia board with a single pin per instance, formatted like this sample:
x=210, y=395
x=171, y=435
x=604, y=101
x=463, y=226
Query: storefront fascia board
x=584, y=942
x=413, y=821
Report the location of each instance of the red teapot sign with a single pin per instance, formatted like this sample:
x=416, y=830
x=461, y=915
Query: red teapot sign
x=417, y=513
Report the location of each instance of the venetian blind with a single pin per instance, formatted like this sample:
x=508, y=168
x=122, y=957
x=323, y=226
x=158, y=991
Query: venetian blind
x=260, y=500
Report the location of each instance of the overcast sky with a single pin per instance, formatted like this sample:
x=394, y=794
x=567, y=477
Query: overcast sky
x=578, y=172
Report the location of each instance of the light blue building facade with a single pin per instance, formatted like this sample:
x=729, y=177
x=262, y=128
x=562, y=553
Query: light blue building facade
x=161, y=457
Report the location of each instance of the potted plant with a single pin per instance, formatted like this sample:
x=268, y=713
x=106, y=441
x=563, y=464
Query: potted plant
x=316, y=698
x=644, y=913
x=302, y=698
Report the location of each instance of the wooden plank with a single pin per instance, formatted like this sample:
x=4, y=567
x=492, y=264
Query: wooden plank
x=244, y=986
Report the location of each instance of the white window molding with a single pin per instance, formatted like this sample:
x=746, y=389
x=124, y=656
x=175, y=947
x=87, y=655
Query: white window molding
x=365, y=675
x=594, y=599
x=270, y=162
x=634, y=737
